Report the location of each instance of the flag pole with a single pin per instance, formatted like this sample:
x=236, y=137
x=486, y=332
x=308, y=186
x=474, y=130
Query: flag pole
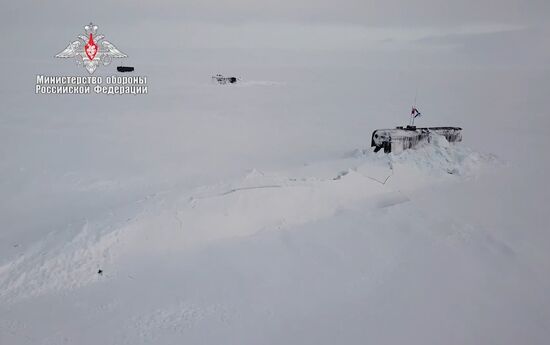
x=414, y=107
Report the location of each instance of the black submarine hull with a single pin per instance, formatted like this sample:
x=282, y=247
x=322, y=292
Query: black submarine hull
x=403, y=138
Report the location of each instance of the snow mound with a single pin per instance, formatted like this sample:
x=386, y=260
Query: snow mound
x=436, y=158
x=259, y=201
x=440, y=156
x=55, y=264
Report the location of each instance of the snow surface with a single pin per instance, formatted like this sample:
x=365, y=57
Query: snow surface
x=257, y=213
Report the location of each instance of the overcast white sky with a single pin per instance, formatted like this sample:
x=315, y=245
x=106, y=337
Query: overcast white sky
x=390, y=13
x=510, y=33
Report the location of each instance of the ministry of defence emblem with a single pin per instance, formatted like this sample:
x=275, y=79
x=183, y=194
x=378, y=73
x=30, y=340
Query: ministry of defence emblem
x=91, y=49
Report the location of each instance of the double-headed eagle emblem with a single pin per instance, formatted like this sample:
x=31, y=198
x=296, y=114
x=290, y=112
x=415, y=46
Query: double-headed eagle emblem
x=91, y=49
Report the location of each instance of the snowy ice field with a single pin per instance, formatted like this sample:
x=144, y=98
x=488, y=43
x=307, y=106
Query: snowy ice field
x=257, y=213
